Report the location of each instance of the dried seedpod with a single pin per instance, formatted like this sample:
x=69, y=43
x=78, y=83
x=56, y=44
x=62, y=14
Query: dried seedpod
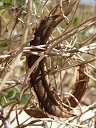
x=50, y=102
x=79, y=87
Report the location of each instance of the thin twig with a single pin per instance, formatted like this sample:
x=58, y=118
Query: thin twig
x=17, y=59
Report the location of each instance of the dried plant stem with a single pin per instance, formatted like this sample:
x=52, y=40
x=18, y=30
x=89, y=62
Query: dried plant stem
x=73, y=29
x=75, y=65
x=17, y=59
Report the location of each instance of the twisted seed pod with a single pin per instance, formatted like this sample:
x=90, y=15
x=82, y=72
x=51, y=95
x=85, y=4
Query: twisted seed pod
x=38, y=77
